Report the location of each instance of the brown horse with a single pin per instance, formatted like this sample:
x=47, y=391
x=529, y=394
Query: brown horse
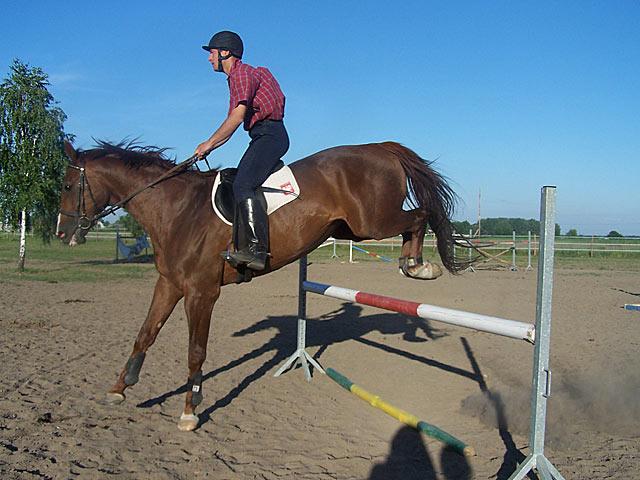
x=349, y=192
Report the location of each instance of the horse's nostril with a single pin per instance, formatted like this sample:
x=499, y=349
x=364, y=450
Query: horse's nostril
x=60, y=234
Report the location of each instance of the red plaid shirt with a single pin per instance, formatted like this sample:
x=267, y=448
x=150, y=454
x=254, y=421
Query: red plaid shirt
x=258, y=90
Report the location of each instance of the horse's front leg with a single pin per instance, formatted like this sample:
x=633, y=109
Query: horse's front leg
x=165, y=297
x=198, y=305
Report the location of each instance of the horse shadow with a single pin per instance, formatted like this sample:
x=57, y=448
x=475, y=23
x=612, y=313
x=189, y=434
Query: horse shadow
x=343, y=324
x=347, y=324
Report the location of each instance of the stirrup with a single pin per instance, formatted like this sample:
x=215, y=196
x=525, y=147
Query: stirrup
x=226, y=255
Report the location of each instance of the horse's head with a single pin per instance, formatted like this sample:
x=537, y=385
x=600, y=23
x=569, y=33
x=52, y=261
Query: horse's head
x=81, y=200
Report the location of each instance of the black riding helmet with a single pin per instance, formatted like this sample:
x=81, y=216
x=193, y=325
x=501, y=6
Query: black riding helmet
x=226, y=40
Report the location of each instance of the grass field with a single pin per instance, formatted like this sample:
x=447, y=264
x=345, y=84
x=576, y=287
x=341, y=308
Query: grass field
x=91, y=262
x=95, y=260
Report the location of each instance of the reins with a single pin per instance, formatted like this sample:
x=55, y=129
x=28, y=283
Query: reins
x=85, y=223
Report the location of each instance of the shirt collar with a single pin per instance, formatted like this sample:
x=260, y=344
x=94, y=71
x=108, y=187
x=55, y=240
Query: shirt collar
x=235, y=65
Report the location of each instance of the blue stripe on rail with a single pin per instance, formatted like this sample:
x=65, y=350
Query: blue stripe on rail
x=314, y=287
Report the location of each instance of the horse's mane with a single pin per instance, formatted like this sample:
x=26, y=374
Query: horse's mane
x=133, y=154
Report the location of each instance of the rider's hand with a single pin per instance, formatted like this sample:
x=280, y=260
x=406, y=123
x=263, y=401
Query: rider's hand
x=203, y=149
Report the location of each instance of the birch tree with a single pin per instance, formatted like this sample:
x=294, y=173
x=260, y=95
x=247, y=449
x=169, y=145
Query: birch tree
x=32, y=159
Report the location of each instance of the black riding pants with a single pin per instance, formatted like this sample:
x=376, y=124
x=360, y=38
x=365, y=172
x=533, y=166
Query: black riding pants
x=269, y=142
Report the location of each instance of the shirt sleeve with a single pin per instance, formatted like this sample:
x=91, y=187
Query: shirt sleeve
x=242, y=89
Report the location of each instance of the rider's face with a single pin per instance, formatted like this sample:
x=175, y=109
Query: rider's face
x=214, y=58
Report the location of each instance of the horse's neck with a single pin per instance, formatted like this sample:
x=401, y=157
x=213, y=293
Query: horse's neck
x=121, y=181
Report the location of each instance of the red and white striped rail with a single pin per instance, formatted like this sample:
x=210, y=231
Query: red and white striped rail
x=476, y=321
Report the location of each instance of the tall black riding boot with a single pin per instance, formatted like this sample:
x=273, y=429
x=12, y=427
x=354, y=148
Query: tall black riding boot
x=255, y=225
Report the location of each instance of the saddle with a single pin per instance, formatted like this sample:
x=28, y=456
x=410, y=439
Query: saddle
x=279, y=189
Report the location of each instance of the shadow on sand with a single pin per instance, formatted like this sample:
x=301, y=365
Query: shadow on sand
x=137, y=259
x=512, y=456
x=345, y=324
x=339, y=326
x=409, y=459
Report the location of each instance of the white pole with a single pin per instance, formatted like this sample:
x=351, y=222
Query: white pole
x=479, y=217
x=23, y=239
x=350, y=251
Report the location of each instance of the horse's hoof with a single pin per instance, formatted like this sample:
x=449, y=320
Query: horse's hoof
x=424, y=271
x=187, y=422
x=114, y=398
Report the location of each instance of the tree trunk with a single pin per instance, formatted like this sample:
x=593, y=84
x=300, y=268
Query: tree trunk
x=23, y=232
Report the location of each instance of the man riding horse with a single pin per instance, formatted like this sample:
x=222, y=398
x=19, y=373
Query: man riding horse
x=351, y=192
x=257, y=101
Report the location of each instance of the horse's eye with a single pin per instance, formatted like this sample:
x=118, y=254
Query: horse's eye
x=67, y=187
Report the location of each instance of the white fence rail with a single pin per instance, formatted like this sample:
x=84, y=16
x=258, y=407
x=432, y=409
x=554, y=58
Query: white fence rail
x=592, y=245
x=601, y=245
x=102, y=234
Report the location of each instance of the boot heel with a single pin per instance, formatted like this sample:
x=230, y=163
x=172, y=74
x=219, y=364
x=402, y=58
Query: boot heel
x=259, y=262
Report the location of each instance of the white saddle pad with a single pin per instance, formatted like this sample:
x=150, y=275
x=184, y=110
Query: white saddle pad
x=283, y=179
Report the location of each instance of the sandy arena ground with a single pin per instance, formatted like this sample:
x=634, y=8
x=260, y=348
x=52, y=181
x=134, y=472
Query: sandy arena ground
x=62, y=346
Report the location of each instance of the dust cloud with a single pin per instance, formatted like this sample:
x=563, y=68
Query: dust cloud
x=605, y=401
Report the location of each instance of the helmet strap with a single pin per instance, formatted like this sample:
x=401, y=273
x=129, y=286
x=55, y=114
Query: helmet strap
x=220, y=59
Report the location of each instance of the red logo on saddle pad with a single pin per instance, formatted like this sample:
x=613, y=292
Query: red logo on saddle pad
x=288, y=188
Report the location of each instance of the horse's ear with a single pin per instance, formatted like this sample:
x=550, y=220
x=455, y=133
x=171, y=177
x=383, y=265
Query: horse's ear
x=69, y=150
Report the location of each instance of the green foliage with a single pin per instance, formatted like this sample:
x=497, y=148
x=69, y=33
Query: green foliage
x=502, y=226
x=572, y=233
x=613, y=233
x=130, y=224
x=32, y=159
x=463, y=227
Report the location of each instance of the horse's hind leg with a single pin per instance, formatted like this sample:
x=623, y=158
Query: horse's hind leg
x=412, y=224
x=412, y=264
x=198, y=305
x=165, y=297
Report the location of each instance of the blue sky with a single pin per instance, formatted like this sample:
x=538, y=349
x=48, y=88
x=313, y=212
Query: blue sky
x=505, y=96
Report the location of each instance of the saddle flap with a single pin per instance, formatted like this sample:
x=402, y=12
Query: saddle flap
x=224, y=199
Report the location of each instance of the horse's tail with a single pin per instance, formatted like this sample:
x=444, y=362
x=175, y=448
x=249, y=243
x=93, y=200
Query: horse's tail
x=430, y=192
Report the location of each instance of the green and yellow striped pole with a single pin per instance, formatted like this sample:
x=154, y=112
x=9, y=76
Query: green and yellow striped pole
x=401, y=415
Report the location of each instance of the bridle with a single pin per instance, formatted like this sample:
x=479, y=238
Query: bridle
x=84, y=222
